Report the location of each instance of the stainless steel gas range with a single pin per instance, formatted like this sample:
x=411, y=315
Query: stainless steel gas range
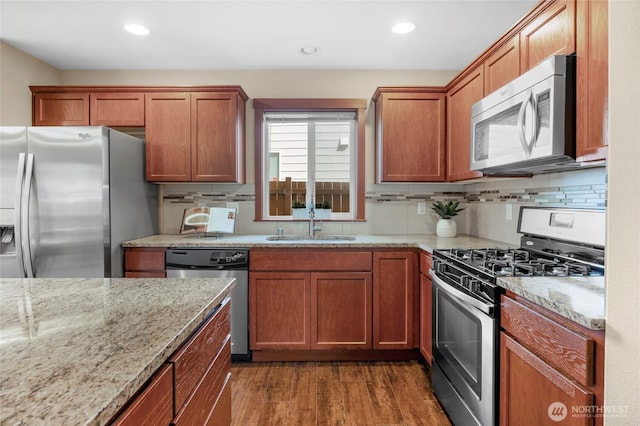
x=466, y=301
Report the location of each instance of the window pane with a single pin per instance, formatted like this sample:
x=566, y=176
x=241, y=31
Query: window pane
x=309, y=150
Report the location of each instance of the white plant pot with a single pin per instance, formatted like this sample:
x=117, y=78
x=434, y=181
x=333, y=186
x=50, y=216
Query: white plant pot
x=302, y=213
x=446, y=228
x=323, y=214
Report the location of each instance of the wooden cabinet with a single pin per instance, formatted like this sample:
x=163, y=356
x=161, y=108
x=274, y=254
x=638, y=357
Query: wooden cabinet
x=60, y=109
x=154, y=405
x=341, y=310
x=552, y=32
x=310, y=300
x=144, y=262
x=168, y=131
x=195, y=137
x=502, y=65
x=410, y=134
x=426, y=332
x=462, y=95
x=70, y=106
x=193, y=386
x=124, y=109
x=279, y=304
x=395, y=280
x=592, y=73
x=551, y=358
x=193, y=133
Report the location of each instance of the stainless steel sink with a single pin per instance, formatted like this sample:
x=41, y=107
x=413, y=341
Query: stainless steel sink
x=314, y=238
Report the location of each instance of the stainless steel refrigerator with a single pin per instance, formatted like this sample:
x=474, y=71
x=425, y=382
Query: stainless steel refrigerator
x=69, y=196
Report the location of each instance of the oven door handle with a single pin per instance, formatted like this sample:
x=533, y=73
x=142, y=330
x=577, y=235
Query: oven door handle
x=487, y=309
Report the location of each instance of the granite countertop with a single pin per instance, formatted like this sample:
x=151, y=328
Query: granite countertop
x=425, y=242
x=74, y=351
x=580, y=299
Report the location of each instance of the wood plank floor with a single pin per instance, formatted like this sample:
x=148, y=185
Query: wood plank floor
x=333, y=393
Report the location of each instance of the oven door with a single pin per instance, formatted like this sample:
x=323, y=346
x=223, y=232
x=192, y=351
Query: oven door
x=464, y=354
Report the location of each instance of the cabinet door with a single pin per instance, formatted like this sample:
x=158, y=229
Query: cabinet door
x=592, y=112
x=341, y=310
x=459, y=101
x=61, y=109
x=144, y=262
x=502, y=66
x=410, y=137
x=394, y=276
x=168, y=128
x=216, y=138
x=117, y=109
x=279, y=310
x=532, y=392
x=553, y=32
x=426, y=333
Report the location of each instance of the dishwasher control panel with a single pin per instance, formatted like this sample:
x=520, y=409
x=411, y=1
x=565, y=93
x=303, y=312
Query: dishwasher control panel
x=195, y=258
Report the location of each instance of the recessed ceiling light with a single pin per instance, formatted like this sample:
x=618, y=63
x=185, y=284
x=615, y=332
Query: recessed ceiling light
x=137, y=29
x=403, y=27
x=309, y=50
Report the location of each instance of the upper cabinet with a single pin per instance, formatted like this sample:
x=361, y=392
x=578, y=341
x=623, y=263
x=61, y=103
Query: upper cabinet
x=193, y=134
x=195, y=137
x=410, y=134
x=592, y=112
x=502, y=65
x=552, y=32
x=460, y=97
x=60, y=109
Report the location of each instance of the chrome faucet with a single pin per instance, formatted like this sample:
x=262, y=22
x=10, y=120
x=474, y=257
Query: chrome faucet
x=312, y=214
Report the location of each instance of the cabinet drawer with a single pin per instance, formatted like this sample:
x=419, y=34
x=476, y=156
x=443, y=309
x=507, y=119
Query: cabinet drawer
x=426, y=263
x=310, y=260
x=154, y=406
x=221, y=413
x=569, y=352
x=192, y=360
x=144, y=259
x=198, y=408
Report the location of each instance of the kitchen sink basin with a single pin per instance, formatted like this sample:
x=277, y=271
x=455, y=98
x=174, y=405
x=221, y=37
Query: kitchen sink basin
x=309, y=238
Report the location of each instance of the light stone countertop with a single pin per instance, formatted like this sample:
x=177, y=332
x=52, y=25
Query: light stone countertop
x=580, y=299
x=425, y=242
x=74, y=351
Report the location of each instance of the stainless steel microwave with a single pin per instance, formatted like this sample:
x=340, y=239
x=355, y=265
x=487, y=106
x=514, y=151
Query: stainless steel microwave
x=527, y=126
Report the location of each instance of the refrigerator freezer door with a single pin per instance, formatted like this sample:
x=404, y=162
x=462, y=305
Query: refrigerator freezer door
x=67, y=209
x=13, y=141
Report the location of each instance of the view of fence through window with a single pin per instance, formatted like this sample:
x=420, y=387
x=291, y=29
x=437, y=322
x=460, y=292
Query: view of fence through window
x=310, y=150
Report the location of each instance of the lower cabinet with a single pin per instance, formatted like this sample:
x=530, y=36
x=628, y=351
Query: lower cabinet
x=426, y=333
x=144, y=262
x=395, y=280
x=330, y=299
x=193, y=386
x=551, y=369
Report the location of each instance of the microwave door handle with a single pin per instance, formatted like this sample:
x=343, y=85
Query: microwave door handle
x=460, y=295
x=521, y=123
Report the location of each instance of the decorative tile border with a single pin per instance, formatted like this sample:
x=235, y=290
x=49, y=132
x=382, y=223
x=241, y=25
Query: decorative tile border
x=594, y=196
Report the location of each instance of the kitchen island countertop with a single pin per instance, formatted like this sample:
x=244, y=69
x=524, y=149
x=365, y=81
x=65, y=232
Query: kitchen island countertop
x=74, y=351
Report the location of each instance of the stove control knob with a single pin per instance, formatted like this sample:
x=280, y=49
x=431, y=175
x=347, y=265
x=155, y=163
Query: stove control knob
x=474, y=286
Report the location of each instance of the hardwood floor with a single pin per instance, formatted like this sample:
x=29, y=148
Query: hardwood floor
x=333, y=393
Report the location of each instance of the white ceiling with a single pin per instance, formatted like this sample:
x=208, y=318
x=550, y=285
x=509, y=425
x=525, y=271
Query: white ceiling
x=258, y=34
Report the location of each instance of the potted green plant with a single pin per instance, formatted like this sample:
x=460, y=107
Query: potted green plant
x=323, y=210
x=446, y=227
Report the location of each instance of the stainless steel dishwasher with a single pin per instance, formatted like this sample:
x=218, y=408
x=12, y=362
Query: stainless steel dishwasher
x=219, y=263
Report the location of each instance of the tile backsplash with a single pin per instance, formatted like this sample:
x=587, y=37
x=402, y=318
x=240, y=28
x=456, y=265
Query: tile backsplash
x=392, y=208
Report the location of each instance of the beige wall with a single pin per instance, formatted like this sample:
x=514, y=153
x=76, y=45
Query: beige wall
x=17, y=72
x=622, y=349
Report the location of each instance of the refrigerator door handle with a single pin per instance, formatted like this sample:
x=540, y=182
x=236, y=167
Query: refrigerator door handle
x=26, y=201
x=18, y=215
